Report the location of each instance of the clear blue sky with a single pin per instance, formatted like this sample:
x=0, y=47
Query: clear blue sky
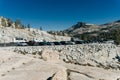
x=60, y=14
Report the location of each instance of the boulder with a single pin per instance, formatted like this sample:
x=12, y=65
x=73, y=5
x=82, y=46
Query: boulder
x=50, y=55
x=60, y=75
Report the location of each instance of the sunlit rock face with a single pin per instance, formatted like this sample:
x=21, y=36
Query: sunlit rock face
x=71, y=62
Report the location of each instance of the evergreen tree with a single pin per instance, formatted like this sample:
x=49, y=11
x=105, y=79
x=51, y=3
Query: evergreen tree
x=17, y=24
x=23, y=27
x=41, y=28
x=9, y=22
x=28, y=26
x=117, y=36
x=3, y=23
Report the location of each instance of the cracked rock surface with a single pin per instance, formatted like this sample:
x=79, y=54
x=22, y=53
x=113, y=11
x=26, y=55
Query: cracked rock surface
x=72, y=62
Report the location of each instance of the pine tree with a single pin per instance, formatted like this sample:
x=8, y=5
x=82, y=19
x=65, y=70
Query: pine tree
x=28, y=27
x=117, y=36
x=41, y=28
x=22, y=27
x=17, y=24
x=9, y=22
x=3, y=22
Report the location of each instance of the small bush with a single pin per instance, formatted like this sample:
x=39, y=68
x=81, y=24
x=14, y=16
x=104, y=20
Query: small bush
x=23, y=63
x=13, y=68
x=34, y=56
x=34, y=53
x=2, y=74
x=8, y=71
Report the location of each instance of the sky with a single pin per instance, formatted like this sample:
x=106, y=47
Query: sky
x=60, y=14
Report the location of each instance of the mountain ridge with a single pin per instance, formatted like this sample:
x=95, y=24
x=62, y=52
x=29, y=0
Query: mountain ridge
x=92, y=32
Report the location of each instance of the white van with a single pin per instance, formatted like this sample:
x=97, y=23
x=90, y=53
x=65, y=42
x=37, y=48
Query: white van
x=17, y=40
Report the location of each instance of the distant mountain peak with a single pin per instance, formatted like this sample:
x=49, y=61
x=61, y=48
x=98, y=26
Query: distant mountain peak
x=79, y=24
x=117, y=21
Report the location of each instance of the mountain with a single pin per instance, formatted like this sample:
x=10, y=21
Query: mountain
x=111, y=25
x=77, y=29
x=93, y=32
x=10, y=30
x=81, y=28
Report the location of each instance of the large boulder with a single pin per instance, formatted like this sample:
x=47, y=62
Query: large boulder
x=60, y=75
x=50, y=55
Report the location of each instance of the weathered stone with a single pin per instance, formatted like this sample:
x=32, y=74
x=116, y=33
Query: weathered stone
x=50, y=55
x=60, y=75
x=78, y=76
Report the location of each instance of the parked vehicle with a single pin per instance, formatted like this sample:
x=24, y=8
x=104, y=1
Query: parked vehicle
x=17, y=40
x=42, y=43
x=70, y=43
x=50, y=43
x=63, y=42
x=22, y=44
x=31, y=43
x=79, y=42
x=36, y=44
x=57, y=43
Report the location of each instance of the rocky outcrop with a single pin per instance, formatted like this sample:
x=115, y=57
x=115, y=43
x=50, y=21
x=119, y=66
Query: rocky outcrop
x=105, y=56
x=81, y=62
x=8, y=34
x=10, y=30
x=23, y=67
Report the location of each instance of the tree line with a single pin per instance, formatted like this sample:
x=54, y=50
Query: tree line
x=17, y=24
x=113, y=34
